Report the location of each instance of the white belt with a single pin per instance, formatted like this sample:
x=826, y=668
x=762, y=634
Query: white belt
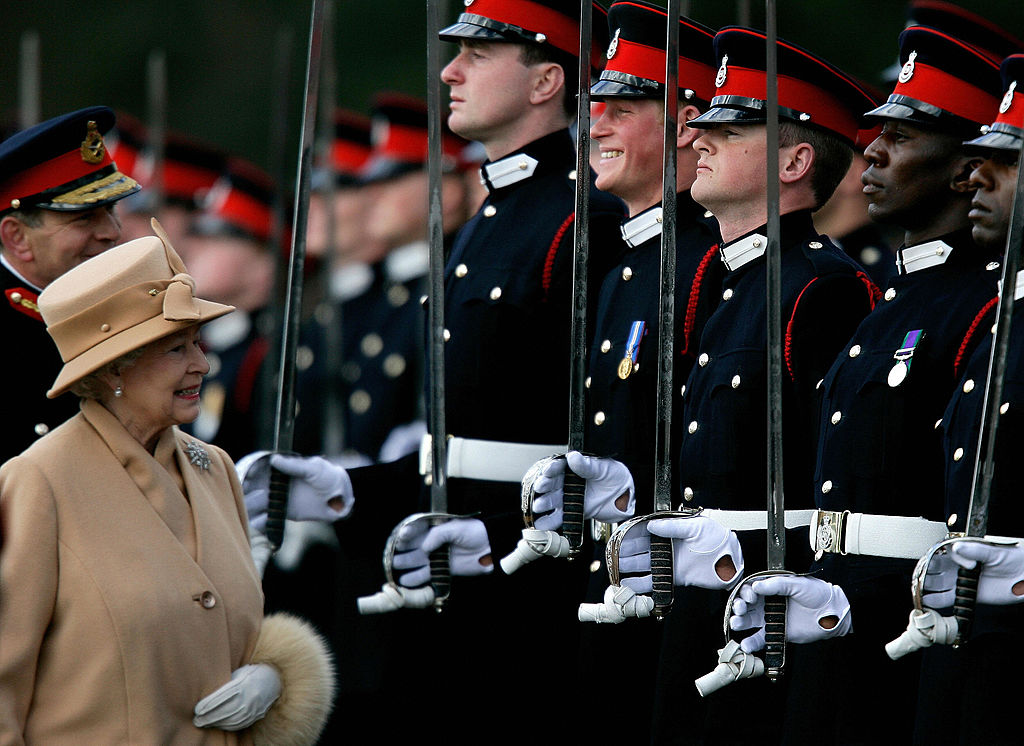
x=755, y=520
x=490, y=460
x=895, y=536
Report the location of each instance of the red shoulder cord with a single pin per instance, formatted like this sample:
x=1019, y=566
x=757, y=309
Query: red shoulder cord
x=694, y=300
x=966, y=343
x=549, y=261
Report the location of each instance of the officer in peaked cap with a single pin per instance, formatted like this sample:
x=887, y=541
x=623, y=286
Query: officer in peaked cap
x=879, y=456
x=621, y=413
x=722, y=461
x=959, y=699
x=58, y=186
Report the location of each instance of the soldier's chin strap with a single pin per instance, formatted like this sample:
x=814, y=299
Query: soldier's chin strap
x=927, y=627
x=733, y=664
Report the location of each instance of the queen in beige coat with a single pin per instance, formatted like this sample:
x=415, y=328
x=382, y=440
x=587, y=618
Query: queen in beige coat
x=130, y=609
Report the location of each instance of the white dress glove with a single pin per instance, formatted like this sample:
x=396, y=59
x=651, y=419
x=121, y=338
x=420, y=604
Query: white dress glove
x=810, y=600
x=697, y=545
x=938, y=589
x=466, y=536
x=1002, y=567
x=607, y=480
x=242, y=701
x=320, y=490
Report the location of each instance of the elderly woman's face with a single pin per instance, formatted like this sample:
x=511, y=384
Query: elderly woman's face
x=162, y=388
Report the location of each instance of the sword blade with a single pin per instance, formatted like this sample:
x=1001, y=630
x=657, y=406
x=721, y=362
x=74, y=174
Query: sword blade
x=574, y=486
x=284, y=420
x=661, y=548
x=775, y=608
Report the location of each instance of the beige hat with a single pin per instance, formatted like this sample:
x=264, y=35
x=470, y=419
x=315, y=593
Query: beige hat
x=118, y=301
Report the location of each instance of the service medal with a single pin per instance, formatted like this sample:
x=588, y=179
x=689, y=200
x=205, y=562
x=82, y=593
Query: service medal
x=897, y=374
x=625, y=368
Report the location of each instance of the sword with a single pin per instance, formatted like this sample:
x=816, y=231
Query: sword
x=574, y=487
x=775, y=606
x=156, y=84
x=284, y=419
x=984, y=465
x=661, y=547
x=28, y=80
x=440, y=568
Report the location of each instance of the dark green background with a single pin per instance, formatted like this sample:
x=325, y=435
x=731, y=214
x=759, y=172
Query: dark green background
x=221, y=53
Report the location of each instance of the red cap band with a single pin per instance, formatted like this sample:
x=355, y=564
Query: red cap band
x=243, y=210
x=824, y=109
x=948, y=92
x=561, y=31
x=50, y=175
x=1013, y=114
x=348, y=157
x=184, y=181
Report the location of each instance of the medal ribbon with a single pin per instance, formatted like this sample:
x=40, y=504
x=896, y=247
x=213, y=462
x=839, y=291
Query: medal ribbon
x=636, y=333
x=905, y=353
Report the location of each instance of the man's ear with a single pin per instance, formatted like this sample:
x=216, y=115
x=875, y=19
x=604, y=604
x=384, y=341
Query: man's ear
x=686, y=135
x=961, y=182
x=549, y=81
x=14, y=238
x=795, y=162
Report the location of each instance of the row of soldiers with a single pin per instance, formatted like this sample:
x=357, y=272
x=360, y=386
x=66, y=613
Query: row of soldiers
x=881, y=392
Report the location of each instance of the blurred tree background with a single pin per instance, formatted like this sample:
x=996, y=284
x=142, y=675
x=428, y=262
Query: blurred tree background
x=224, y=56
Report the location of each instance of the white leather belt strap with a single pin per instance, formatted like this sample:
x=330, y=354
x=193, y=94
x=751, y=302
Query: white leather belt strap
x=490, y=460
x=755, y=520
x=895, y=536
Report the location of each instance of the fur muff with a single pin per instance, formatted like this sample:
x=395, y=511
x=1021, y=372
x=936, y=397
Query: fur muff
x=293, y=647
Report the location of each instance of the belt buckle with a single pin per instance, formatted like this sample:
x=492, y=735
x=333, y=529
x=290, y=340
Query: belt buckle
x=829, y=532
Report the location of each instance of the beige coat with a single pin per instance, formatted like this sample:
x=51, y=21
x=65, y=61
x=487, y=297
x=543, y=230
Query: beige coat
x=122, y=604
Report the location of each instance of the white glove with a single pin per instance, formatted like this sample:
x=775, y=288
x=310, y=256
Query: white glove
x=698, y=544
x=470, y=549
x=810, y=601
x=1002, y=568
x=242, y=701
x=939, y=587
x=259, y=547
x=607, y=480
x=320, y=490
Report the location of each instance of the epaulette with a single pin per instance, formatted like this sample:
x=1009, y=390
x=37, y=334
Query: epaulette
x=25, y=301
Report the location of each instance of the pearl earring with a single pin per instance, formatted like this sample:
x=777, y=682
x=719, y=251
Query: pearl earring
x=118, y=392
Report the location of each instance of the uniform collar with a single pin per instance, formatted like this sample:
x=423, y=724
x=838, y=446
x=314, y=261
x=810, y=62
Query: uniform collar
x=643, y=227
x=16, y=273
x=753, y=245
x=546, y=154
x=915, y=258
x=407, y=262
x=227, y=331
x=350, y=281
x=1018, y=290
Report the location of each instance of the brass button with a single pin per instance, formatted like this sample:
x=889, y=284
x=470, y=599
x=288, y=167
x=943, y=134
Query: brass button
x=826, y=486
x=1005, y=408
x=304, y=357
x=208, y=600
x=688, y=494
x=727, y=294
x=447, y=335
x=490, y=211
x=736, y=381
x=394, y=365
x=371, y=345
x=461, y=271
x=41, y=428
x=814, y=245
x=951, y=520
x=586, y=383
x=16, y=297
x=606, y=345
x=359, y=402
x=398, y=295
x=968, y=385
x=495, y=293
x=836, y=416
x=627, y=273
x=855, y=351
x=704, y=359
x=938, y=422
x=692, y=428
x=890, y=293
x=599, y=418
x=958, y=454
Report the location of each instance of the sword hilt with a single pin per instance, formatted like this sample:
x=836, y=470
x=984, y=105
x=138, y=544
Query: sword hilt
x=963, y=603
x=440, y=576
x=774, y=636
x=573, y=490
x=277, y=507
x=661, y=575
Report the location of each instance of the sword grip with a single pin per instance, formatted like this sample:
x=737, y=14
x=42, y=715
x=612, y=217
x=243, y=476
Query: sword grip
x=774, y=636
x=440, y=576
x=573, y=490
x=963, y=603
x=277, y=507
x=661, y=575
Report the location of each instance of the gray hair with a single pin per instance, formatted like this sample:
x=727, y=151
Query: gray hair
x=92, y=386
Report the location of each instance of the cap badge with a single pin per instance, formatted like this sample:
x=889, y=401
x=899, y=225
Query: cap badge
x=614, y=46
x=722, y=72
x=92, y=146
x=1007, y=101
x=467, y=3
x=908, y=68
